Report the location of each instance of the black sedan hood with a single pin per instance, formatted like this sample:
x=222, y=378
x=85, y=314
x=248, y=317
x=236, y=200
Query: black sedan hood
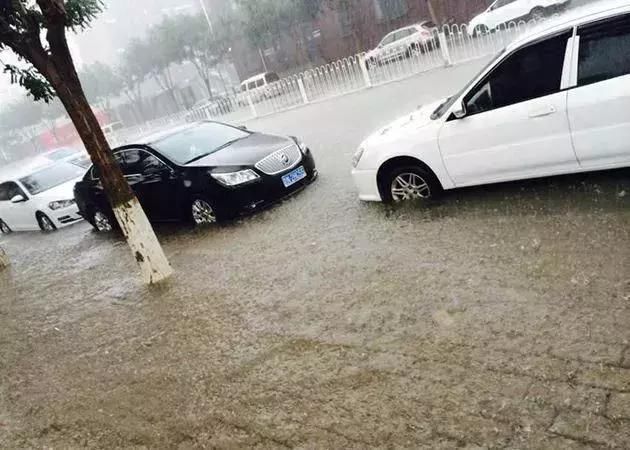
x=245, y=152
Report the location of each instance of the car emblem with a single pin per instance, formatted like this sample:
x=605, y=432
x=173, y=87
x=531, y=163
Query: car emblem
x=284, y=159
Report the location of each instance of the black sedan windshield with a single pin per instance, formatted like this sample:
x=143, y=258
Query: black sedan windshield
x=198, y=141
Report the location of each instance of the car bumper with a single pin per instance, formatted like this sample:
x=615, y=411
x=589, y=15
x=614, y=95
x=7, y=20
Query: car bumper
x=365, y=181
x=65, y=217
x=269, y=190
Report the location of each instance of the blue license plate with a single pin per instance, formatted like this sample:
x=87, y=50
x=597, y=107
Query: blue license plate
x=294, y=176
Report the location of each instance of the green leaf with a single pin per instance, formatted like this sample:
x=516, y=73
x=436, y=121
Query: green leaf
x=31, y=80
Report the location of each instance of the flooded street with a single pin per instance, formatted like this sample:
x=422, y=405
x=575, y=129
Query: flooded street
x=495, y=318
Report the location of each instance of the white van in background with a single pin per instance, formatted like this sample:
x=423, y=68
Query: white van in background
x=258, y=88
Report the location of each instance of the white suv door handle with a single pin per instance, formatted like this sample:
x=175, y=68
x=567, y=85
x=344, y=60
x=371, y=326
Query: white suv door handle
x=542, y=111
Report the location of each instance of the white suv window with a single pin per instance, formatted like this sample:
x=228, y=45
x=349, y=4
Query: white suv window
x=530, y=72
x=604, y=50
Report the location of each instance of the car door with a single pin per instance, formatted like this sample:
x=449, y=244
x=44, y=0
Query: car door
x=153, y=182
x=516, y=124
x=18, y=216
x=95, y=190
x=599, y=104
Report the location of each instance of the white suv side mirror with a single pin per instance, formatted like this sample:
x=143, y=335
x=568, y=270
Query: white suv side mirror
x=461, y=112
x=18, y=199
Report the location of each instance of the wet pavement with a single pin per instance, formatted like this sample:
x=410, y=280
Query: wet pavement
x=496, y=318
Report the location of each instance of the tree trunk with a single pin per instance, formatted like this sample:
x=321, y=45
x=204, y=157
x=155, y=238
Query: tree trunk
x=4, y=259
x=60, y=71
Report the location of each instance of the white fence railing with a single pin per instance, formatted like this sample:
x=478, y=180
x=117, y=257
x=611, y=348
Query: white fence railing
x=452, y=44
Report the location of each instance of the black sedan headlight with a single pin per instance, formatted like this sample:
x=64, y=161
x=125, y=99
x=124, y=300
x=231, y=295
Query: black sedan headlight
x=301, y=145
x=235, y=178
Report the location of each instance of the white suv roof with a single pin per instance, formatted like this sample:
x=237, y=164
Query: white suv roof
x=572, y=18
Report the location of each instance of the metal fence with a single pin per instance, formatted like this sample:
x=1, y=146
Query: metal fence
x=449, y=45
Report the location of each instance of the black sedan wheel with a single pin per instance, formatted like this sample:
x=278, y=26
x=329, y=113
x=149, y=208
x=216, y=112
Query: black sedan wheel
x=102, y=222
x=203, y=213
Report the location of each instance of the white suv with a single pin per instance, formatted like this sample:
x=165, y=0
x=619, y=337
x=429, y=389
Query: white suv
x=504, y=11
x=554, y=102
x=403, y=42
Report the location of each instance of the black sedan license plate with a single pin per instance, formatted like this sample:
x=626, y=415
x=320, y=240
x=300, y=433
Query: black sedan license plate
x=294, y=176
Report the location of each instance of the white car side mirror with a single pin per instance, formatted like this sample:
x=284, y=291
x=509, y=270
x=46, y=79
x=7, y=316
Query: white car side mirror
x=18, y=199
x=461, y=112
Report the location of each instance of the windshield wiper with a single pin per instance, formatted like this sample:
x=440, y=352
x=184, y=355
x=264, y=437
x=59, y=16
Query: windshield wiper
x=203, y=155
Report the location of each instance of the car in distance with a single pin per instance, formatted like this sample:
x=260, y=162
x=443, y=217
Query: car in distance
x=504, y=11
x=202, y=173
x=62, y=154
x=41, y=198
x=403, y=42
x=555, y=101
x=258, y=88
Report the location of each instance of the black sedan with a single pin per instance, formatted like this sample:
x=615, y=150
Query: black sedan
x=203, y=173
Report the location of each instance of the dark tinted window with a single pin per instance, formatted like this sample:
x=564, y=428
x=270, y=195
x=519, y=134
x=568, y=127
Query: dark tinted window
x=532, y=72
x=272, y=77
x=9, y=190
x=604, y=50
x=139, y=162
x=117, y=156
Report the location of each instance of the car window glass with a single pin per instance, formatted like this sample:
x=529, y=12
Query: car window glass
x=138, y=161
x=428, y=24
x=388, y=39
x=604, y=50
x=251, y=85
x=501, y=3
x=531, y=72
x=260, y=82
x=198, y=141
x=401, y=34
x=51, y=177
x=9, y=190
x=272, y=77
x=118, y=157
x=12, y=189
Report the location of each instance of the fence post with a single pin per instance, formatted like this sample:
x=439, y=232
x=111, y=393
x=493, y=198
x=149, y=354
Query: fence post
x=365, y=71
x=302, y=91
x=446, y=54
x=251, y=105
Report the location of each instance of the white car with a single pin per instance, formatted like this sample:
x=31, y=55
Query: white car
x=41, y=198
x=504, y=11
x=403, y=42
x=554, y=102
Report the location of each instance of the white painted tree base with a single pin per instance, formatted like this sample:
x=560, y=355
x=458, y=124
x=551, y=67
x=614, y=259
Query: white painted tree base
x=143, y=242
x=4, y=259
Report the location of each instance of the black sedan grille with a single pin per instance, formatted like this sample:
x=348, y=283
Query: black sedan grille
x=280, y=160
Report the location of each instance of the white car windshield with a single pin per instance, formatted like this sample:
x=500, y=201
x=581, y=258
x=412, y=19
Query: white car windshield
x=199, y=141
x=51, y=177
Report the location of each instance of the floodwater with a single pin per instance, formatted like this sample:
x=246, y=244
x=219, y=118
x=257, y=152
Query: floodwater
x=495, y=318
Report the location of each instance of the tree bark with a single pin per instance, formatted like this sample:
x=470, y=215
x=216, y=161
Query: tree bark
x=59, y=69
x=4, y=259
